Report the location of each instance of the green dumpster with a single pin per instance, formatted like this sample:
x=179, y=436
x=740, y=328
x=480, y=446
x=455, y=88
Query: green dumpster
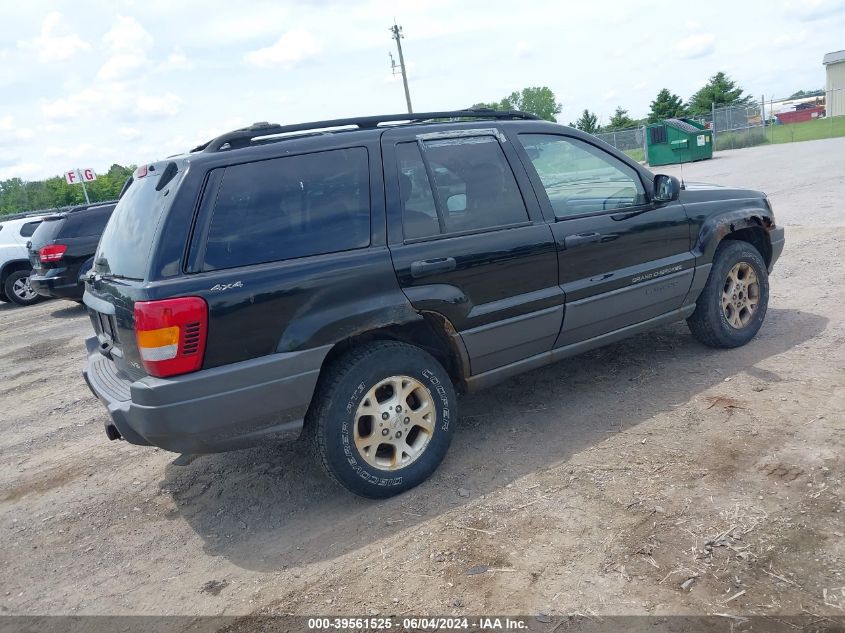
x=674, y=141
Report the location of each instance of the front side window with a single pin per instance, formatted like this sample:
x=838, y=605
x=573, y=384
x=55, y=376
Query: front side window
x=580, y=178
x=290, y=207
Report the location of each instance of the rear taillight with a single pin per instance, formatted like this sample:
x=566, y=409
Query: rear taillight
x=52, y=253
x=171, y=335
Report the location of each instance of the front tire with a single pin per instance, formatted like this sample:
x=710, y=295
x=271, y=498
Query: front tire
x=18, y=290
x=731, y=308
x=383, y=418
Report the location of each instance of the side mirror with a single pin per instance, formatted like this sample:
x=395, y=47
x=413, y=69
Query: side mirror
x=666, y=188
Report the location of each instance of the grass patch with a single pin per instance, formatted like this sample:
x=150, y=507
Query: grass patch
x=795, y=132
x=636, y=154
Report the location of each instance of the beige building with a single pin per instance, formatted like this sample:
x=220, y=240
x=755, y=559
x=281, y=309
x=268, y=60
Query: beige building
x=834, y=64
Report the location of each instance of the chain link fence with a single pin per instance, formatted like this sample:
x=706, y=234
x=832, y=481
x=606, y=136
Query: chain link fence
x=771, y=120
x=631, y=141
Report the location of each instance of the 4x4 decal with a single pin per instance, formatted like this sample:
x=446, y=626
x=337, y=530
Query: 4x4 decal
x=222, y=287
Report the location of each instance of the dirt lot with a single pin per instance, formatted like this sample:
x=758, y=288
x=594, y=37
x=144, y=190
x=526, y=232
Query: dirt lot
x=654, y=476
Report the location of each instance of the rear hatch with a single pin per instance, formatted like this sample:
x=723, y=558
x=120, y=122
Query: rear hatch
x=45, y=235
x=121, y=267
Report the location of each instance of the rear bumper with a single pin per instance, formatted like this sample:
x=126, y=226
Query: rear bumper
x=59, y=286
x=225, y=408
x=778, y=239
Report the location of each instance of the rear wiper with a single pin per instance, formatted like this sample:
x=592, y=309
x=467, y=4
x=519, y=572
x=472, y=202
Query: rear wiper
x=91, y=275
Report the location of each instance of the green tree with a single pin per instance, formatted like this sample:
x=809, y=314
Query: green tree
x=666, y=106
x=620, y=120
x=588, y=122
x=807, y=93
x=17, y=195
x=537, y=100
x=720, y=90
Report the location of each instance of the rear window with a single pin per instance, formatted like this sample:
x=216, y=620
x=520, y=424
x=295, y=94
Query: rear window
x=290, y=207
x=126, y=243
x=47, y=231
x=86, y=223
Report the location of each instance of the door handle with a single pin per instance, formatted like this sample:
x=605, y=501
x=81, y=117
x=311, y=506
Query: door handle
x=431, y=266
x=582, y=238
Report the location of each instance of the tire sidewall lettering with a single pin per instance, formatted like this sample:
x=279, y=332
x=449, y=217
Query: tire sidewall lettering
x=350, y=452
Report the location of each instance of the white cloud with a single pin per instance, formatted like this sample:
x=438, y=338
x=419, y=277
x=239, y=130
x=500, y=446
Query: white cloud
x=55, y=151
x=74, y=105
x=610, y=94
x=522, y=50
x=115, y=100
x=289, y=50
x=695, y=46
x=791, y=39
x=129, y=133
x=230, y=24
x=11, y=134
x=177, y=60
x=127, y=43
x=19, y=170
x=157, y=106
x=814, y=9
x=127, y=35
x=55, y=43
x=120, y=66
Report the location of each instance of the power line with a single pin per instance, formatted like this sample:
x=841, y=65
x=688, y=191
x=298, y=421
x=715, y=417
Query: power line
x=396, y=30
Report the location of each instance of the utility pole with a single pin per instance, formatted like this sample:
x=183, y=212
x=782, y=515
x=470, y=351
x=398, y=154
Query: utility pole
x=396, y=30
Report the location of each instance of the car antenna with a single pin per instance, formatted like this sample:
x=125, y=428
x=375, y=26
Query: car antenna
x=681, y=165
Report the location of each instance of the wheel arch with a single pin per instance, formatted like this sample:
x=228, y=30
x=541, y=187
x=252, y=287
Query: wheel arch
x=432, y=333
x=750, y=226
x=13, y=266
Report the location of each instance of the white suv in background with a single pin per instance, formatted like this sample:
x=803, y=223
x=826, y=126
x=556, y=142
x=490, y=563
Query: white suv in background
x=15, y=266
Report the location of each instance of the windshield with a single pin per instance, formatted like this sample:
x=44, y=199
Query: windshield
x=124, y=249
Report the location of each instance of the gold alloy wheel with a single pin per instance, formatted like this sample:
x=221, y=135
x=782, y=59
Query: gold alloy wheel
x=741, y=295
x=394, y=422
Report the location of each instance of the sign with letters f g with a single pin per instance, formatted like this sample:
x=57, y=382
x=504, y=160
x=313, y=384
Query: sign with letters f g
x=76, y=176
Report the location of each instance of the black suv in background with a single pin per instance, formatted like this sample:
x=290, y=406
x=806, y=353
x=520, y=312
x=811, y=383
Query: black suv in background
x=345, y=278
x=62, y=249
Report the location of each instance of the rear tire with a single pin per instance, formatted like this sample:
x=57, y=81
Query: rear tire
x=383, y=418
x=730, y=310
x=18, y=290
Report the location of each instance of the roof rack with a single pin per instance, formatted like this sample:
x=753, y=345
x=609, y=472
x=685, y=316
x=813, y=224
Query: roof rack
x=5, y=217
x=244, y=136
x=74, y=208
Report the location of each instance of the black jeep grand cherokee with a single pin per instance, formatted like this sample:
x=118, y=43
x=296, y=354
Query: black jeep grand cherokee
x=344, y=278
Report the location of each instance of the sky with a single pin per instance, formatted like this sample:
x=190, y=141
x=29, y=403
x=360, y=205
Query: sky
x=92, y=83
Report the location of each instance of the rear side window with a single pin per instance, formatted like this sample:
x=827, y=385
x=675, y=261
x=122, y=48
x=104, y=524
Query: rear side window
x=29, y=228
x=473, y=185
x=290, y=207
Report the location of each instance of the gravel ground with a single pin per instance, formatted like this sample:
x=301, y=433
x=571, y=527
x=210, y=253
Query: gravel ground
x=653, y=476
